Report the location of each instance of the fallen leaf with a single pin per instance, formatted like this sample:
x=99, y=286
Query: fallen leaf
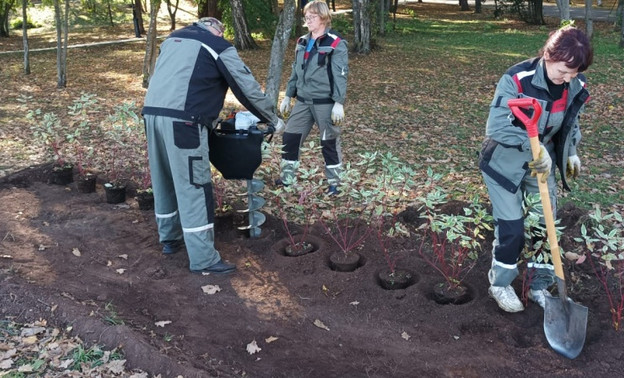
x=354, y=303
x=109, y=263
x=211, y=289
x=6, y=364
x=120, y=271
x=162, y=323
x=27, y=368
x=41, y=247
x=253, y=347
x=29, y=340
x=116, y=366
x=76, y=252
x=572, y=256
x=581, y=259
x=405, y=335
x=124, y=256
x=320, y=324
x=270, y=339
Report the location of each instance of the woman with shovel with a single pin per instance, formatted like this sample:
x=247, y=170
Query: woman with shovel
x=554, y=78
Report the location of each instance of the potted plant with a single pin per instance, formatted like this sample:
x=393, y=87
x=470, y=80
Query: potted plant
x=391, y=277
x=455, y=240
x=388, y=183
x=145, y=194
x=346, y=220
x=298, y=242
x=49, y=132
x=87, y=178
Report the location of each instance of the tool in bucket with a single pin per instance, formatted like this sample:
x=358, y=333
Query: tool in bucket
x=236, y=152
x=565, y=322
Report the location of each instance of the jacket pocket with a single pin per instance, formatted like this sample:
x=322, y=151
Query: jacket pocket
x=186, y=135
x=507, y=165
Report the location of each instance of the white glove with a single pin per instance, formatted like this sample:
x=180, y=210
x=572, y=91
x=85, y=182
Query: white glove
x=573, y=167
x=279, y=127
x=337, y=113
x=285, y=106
x=542, y=164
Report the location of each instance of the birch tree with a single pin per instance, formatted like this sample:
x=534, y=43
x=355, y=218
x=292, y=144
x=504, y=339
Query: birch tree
x=564, y=10
x=151, y=51
x=25, y=36
x=361, y=26
x=62, y=35
x=589, y=21
x=280, y=43
x=242, y=36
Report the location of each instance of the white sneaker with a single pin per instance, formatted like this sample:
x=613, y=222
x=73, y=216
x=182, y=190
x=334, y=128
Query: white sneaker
x=506, y=298
x=539, y=296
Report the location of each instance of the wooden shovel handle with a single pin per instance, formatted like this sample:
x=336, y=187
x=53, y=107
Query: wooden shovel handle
x=531, y=127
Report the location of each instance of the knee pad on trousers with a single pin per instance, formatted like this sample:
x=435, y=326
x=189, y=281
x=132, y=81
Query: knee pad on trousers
x=510, y=241
x=330, y=152
x=291, y=144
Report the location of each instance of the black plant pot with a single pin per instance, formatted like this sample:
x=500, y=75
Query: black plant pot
x=145, y=200
x=345, y=262
x=86, y=183
x=62, y=175
x=397, y=280
x=115, y=194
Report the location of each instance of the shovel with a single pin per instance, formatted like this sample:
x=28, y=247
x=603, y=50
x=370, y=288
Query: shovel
x=565, y=322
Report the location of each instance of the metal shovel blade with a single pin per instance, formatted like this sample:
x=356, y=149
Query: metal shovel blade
x=565, y=326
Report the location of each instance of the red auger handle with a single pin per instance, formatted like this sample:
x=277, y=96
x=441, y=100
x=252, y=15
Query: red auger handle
x=526, y=102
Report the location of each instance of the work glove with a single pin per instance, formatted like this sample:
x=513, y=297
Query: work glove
x=285, y=106
x=573, y=168
x=337, y=114
x=542, y=164
x=279, y=127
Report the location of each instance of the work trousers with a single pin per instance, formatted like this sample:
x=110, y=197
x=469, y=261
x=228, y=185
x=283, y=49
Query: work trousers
x=303, y=117
x=509, y=239
x=181, y=180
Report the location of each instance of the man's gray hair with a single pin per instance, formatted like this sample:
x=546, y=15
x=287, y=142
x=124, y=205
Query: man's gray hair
x=213, y=22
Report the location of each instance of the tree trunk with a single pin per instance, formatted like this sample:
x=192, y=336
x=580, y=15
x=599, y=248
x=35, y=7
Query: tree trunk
x=149, y=61
x=477, y=6
x=280, y=43
x=589, y=22
x=209, y=8
x=564, y=10
x=172, y=10
x=275, y=8
x=138, y=15
x=109, y=11
x=25, y=36
x=5, y=9
x=383, y=16
x=535, y=9
x=361, y=27
x=463, y=5
x=621, y=13
x=299, y=17
x=242, y=36
x=62, y=22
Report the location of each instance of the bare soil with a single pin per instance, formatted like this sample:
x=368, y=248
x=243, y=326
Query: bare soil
x=73, y=259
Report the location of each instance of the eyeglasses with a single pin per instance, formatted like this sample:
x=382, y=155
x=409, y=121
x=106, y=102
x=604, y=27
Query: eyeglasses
x=310, y=17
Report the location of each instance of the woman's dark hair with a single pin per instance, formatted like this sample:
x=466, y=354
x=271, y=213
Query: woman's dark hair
x=569, y=45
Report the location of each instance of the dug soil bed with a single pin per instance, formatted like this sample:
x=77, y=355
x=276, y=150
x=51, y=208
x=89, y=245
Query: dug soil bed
x=75, y=260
